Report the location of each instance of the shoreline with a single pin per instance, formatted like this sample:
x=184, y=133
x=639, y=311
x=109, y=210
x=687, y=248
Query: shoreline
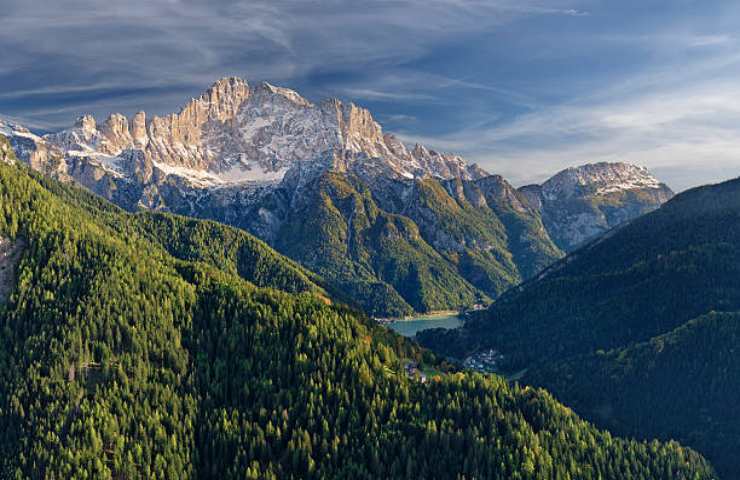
x=434, y=315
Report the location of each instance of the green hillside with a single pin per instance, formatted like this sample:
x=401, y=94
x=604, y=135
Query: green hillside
x=436, y=251
x=119, y=360
x=221, y=246
x=379, y=258
x=623, y=328
x=683, y=384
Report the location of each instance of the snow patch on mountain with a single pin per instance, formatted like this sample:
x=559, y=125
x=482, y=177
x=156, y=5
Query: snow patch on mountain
x=598, y=179
x=235, y=133
x=234, y=175
x=10, y=129
x=581, y=203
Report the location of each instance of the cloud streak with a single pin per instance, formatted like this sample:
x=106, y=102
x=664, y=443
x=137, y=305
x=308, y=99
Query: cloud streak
x=689, y=135
x=524, y=87
x=65, y=46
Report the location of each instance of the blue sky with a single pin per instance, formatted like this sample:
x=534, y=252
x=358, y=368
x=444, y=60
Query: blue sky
x=523, y=87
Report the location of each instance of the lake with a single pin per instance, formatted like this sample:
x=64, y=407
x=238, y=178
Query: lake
x=409, y=328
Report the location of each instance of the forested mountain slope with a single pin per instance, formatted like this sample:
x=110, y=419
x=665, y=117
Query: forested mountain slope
x=224, y=247
x=625, y=328
x=118, y=360
x=683, y=385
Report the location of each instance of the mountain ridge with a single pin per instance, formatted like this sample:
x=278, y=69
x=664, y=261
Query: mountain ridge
x=264, y=159
x=232, y=120
x=580, y=203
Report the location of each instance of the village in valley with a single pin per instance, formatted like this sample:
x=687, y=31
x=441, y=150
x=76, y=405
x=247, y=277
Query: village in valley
x=485, y=361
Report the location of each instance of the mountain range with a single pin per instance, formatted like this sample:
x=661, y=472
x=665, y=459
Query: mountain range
x=398, y=229
x=149, y=345
x=637, y=330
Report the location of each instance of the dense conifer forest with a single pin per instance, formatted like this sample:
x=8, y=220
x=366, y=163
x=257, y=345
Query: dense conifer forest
x=638, y=330
x=134, y=346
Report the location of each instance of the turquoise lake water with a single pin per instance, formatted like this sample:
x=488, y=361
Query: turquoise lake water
x=409, y=328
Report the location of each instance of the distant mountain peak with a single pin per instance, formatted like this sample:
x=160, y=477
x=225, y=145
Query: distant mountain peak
x=86, y=123
x=225, y=83
x=286, y=93
x=581, y=203
x=599, y=179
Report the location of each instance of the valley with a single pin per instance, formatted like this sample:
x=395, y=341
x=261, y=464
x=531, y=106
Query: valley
x=386, y=240
x=637, y=329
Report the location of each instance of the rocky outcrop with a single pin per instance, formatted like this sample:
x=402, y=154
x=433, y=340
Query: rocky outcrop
x=7, y=155
x=581, y=203
x=10, y=256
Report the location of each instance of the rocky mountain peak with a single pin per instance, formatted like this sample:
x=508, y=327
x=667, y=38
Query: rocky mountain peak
x=420, y=151
x=86, y=124
x=268, y=90
x=116, y=128
x=580, y=203
x=599, y=179
x=360, y=132
x=223, y=99
x=138, y=130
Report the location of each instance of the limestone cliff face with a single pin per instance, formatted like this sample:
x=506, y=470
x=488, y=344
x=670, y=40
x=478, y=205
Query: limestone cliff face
x=115, y=130
x=7, y=155
x=581, y=203
x=359, y=131
x=183, y=138
x=139, y=134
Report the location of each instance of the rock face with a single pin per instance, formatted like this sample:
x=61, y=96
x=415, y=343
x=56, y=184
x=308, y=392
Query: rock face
x=236, y=134
x=10, y=255
x=398, y=229
x=579, y=204
x=7, y=155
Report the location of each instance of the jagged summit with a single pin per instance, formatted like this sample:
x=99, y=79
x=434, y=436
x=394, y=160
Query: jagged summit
x=235, y=133
x=222, y=99
x=289, y=94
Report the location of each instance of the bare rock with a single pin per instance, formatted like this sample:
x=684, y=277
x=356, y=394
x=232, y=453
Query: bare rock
x=10, y=256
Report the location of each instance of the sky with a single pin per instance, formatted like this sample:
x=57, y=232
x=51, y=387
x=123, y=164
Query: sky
x=524, y=88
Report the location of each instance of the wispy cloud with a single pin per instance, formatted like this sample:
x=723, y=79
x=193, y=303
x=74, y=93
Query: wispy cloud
x=688, y=129
x=366, y=93
x=575, y=13
x=65, y=47
x=710, y=40
x=524, y=87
